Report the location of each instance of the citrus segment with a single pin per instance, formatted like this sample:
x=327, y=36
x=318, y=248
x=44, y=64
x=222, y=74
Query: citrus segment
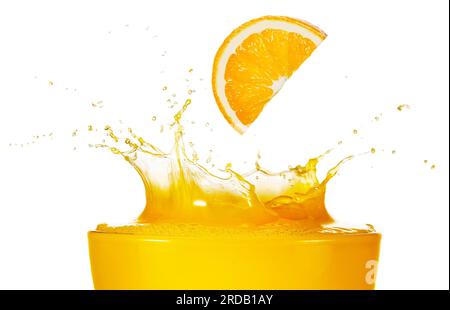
x=255, y=61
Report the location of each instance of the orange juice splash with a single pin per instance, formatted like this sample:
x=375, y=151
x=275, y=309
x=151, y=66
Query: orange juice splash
x=180, y=190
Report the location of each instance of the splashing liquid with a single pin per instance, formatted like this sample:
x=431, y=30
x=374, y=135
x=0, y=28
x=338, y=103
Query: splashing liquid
x=179, y=190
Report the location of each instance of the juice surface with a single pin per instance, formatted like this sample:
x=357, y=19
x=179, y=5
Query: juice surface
x=295, y=230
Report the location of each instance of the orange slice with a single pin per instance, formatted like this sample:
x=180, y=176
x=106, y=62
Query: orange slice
x=254, y=62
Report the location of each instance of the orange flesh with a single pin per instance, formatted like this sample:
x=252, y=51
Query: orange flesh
x=262, y=59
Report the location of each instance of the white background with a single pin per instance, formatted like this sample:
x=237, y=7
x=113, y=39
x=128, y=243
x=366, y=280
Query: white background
x=378, y=54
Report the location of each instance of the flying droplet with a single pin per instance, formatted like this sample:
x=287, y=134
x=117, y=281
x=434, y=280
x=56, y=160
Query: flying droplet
x=402, y=107
x=115, y=150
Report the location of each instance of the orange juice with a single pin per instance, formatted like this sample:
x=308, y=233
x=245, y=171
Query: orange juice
x=258, y=230
x=203, y=258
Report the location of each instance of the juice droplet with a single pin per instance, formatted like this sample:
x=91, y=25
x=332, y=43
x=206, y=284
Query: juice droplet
x=97, y=104
x=433, y=166
x=111, y=134
x=115, y=151
x=373, y=150
x=178, y=115
x=425, y=161
x=402, y=107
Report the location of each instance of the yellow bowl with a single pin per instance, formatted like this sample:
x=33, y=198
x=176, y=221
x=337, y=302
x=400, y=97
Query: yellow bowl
x=321, y=261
